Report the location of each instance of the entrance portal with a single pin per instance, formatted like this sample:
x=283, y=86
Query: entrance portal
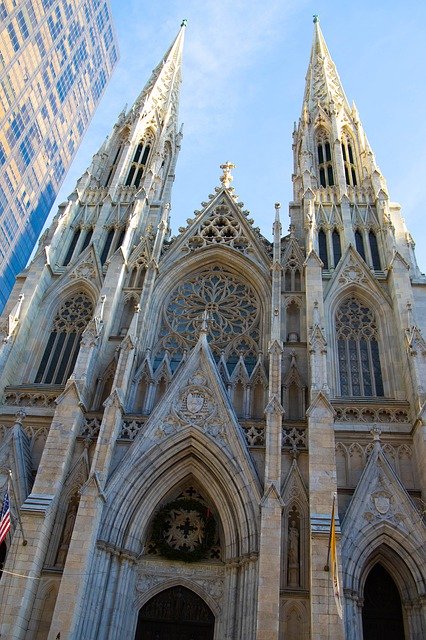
x=175, y=614
x=382, y=612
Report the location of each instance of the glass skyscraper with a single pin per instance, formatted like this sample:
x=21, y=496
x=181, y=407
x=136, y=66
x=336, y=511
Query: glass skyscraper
x=56, y=57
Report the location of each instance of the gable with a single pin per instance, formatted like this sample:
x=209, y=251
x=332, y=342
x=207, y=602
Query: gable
x=223, y=223
x=353, y=272
x=195, y=408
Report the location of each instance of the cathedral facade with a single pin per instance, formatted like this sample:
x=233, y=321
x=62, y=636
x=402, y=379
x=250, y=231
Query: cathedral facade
x=183, y=416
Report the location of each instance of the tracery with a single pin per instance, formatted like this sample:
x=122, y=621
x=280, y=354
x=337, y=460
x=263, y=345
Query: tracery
x=233, y=311
x=358, y=350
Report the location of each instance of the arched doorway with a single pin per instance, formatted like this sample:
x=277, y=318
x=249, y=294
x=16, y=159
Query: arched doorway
x=382, y=611
x=175, y=614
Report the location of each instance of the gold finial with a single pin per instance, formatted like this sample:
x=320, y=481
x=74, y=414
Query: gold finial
x=226, y=179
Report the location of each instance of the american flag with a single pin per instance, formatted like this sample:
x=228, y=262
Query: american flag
x=5, y=517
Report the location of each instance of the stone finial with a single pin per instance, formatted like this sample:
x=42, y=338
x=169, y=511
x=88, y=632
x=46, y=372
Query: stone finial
x=205, y=319
x=376, y=433
x=316, y=314
x=315, y=18
x=410, y=314
x=227, y=178
x=20, y=416
x=184, y=22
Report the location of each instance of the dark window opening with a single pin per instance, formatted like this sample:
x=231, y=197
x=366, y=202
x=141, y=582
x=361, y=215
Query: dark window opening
x=337, y=249
x=374, y=248
x=107, y=246
x=359, y=243
x=72, y=246
x=322, y=245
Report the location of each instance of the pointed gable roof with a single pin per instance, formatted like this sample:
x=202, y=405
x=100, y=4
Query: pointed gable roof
x=352, y=270
x=379, y=504
x=222, y=222
x=195, y=408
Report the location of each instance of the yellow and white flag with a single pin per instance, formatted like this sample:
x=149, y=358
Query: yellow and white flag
x=334, y=565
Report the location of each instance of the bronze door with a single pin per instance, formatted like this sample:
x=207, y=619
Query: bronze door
x=175, y=614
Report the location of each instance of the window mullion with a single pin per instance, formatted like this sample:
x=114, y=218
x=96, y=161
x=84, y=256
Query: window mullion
x=359, y=363
x=329, y=248
x=59, y=360
x=367, y=248
x=48, y=363
x=349, y=368
x=370, y=362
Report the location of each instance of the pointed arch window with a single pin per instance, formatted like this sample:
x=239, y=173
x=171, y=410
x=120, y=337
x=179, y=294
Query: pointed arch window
x=337, y=248
x=72, y=246
x=113, y=240
x=79, y=242
x=63, y=344
x=137, y=168
x=329, y=247
x=325, y=161
x=348, y=161
x=374, y=249
x=322, y=247
x=360, y=372
x=359, y=243
x=114, y=165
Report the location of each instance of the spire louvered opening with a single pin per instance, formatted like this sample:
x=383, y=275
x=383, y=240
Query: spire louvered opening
x=325, y=161
x=140, y=159
x=349, y=161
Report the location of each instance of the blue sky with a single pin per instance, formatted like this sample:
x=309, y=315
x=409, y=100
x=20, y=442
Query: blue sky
x=243, y=80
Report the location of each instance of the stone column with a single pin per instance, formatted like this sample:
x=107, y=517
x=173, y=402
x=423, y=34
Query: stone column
x=38, y=516
x=325, y=622
x=70, y=603
x=268, y=597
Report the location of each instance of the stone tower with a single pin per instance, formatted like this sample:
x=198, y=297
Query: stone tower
x=178, y=413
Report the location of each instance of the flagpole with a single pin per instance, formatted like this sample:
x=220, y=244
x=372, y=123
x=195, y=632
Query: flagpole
x=18, y=515
x=327, y=564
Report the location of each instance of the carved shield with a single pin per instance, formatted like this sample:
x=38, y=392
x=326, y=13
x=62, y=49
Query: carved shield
x=382, y=503
x=194, y=401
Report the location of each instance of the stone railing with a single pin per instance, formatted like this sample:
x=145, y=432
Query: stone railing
x=130, y=427
x=36, y=395
x=293, y=436
x=372, y=411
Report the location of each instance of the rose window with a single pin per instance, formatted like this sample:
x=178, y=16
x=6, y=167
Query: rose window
x=233, y=312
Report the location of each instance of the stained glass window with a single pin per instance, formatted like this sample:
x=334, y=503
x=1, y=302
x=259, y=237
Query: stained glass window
x=62, y=347
x=360, y=372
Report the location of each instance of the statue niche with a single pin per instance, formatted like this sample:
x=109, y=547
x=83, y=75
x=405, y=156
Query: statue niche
x=67, y=531
x=293, y=549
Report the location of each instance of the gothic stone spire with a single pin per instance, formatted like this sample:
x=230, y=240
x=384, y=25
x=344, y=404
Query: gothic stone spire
x=323, y=85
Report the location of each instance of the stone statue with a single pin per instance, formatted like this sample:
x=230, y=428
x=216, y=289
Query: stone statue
x=293, y=544
x=293, y=555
